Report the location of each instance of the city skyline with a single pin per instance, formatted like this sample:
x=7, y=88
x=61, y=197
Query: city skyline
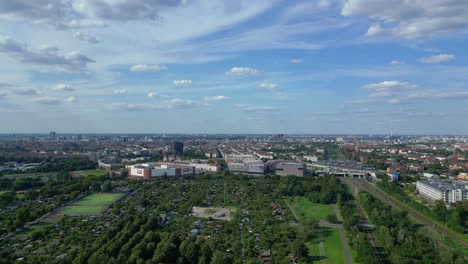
x=234, y=67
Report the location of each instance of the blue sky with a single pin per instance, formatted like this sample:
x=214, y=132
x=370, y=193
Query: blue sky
x=234, y=66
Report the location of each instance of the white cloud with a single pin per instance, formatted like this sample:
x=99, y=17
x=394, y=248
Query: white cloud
x=46, y=56
x=296, y=60
x=216, y=98
x=394, y=101
x=85, y=37
x=25, y=91
x=438, y=58
x=120, y=91
x=153, y=95
x=64, y=87
x=268, y=86
x=71, y=99
x=389, y=86
x=3, y=95
x=183, y=82
x=462, y=95
x=147, y=68
x=410, y=19
x=242, y=71
x=381, y=94
x=47, y=101
x=396, y=62
x=178, y=103
x=254, y=108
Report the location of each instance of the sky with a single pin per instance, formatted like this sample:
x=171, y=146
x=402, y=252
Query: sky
x=234, y=66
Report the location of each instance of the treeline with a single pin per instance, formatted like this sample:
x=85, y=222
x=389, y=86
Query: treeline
x=66, y=165
x=453, y=217
x=403, y=240
x=358, y=240
x=318, y=189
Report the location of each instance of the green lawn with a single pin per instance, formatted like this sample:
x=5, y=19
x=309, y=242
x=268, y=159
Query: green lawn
x=332, y=244
x=92, y=204
x=306, y=209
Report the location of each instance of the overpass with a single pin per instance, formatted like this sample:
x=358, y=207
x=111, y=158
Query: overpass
x=342, y=168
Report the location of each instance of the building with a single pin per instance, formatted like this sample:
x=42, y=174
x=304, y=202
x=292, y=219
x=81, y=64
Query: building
x=179, y=147
x=245, y=163
x=154, y=170
x=52, y=135
x=290, y=168
x=436, y=189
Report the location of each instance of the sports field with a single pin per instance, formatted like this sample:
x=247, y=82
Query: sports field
x=308, y=210
x=91, y=204
x=332, y=248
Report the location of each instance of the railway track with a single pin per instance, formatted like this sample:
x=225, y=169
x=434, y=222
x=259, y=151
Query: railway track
x=363, y=185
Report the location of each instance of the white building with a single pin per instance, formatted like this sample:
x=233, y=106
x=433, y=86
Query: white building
x=436, y=189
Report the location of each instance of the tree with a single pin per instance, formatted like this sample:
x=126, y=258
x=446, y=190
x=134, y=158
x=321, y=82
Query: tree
x=22, y=216
x=107, y=186
x=190, y=250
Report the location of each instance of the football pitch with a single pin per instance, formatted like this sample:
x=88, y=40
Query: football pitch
x=91, y=204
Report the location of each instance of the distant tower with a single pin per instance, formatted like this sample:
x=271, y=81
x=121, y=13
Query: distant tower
x=52, y=135
x=391, y=132
x=179, y=148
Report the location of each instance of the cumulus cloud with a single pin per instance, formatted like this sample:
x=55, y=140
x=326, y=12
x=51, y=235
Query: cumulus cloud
x=438, y=58
x=183, y=82
x=71, y=99
x=153, y=95
x=394, y=101
x=85, y=37
x=120, y=91
x=268, y=86
x=64, y=87
x=25, y=91
x=254, y=108
x=296, y=60
x=46, y=56
x=146, y=68
x=242, y=71
x=216, y=98
x=47, y=101
x=389, y=86
x=410, y=19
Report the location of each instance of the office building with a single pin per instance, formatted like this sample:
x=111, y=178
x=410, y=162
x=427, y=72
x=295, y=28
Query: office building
x=179, y=147
x=290, y=168
x=153, y=170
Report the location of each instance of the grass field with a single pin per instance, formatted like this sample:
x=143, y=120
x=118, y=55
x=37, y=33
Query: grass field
x=306, y=209
x=95, y=173
x=92, y=204
x=332, y=247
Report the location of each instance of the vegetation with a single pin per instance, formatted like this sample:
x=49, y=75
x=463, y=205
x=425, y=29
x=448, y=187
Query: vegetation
x=453, y=217
x=402, y=240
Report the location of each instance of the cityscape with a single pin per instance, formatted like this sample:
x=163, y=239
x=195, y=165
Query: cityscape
x=233, y=131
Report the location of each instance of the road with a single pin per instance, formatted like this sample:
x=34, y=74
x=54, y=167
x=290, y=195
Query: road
x=365, y=185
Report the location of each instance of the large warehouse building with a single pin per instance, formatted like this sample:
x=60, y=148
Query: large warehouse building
x=154, y=170
x=290, y=168
x=436, y=189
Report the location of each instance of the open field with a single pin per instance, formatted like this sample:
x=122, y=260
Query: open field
x=306, y=209
x=89, y=173
x=40, y=225
x=213, y=212
x=91, y=204
x=333, y=249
